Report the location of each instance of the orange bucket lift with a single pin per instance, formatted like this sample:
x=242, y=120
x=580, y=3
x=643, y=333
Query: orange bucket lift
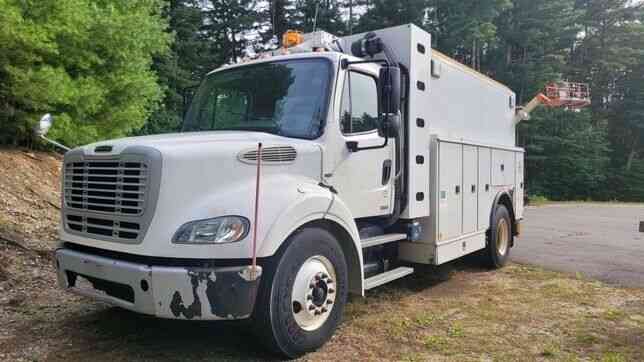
x=569, y=95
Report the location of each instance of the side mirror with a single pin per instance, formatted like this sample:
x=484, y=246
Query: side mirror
x=390, y=125
x=389, y=91
x=43, y=125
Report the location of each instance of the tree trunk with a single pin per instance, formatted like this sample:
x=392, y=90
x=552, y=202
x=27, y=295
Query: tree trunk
x=632, y=154
x=278, y=18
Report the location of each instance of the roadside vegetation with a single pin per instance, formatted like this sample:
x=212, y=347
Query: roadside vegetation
x=458, y=312
x=538, y=200
x=108, y=69
x=519, y=313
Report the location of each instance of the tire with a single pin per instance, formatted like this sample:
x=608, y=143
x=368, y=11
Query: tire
x=499, y=239
x=283, y=318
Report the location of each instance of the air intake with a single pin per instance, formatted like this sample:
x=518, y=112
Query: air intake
x=270, y=155
x=104, y=148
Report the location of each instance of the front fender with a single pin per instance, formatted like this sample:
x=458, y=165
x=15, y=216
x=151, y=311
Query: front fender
x=316, y=203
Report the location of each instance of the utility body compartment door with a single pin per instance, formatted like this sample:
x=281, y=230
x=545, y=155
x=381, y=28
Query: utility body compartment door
x=485, y=188
x=519, y=186
x=502, y=167
x=470, y=189
x=450, y=190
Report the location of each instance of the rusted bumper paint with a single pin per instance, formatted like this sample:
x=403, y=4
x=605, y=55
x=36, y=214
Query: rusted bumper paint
x=162, y=291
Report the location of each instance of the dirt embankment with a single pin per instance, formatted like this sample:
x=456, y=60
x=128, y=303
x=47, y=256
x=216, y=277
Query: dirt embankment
x=29, y=215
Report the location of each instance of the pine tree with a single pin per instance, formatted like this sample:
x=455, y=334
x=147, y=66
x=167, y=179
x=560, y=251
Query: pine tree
x=86, y=62
x=387, y=13
x=182, y=68
x=533, y=47
x=566, y=155
x=465, y=29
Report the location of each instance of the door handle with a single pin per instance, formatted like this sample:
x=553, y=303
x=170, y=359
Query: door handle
x=386, y=172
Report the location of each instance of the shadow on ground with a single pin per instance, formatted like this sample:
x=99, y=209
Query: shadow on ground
x=108, y=333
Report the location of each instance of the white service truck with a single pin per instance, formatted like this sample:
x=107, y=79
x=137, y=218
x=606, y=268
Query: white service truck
x=328, y=167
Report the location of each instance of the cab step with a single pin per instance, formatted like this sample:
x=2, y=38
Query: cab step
x=382, y=239
x=386, y=277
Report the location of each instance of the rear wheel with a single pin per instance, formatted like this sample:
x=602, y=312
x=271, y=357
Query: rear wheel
x=499, y=240
x=302, y=299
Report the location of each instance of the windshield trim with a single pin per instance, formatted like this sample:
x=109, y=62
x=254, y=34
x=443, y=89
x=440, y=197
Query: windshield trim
x=327, y=99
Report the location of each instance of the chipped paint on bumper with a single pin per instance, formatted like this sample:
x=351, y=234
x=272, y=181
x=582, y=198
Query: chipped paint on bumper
x=162, y=291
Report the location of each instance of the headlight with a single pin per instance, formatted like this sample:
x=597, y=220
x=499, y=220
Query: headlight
x=225, y=229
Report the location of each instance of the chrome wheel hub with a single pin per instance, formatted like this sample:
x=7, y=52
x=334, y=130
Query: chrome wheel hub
x=314, y=292
x=502, y=237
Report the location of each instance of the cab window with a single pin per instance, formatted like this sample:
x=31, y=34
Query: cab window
x=359, y=108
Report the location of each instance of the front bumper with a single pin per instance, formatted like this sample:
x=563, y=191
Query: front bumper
x=162, y=291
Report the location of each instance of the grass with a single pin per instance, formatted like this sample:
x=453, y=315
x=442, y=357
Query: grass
x=537, y=200
x=518, y=313
x=435, y=343
x=540, y=200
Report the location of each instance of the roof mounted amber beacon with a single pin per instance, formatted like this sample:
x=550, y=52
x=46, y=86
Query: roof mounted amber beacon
x=292, y=38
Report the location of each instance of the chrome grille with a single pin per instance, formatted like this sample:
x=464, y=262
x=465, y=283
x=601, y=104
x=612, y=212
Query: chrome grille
x=106, y=186
x=104, y=227
x=111, y=197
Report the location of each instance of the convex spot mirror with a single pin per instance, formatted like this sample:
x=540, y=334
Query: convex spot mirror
x=43, y=126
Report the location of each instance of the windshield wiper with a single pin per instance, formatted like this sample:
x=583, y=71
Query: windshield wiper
x=252, y=129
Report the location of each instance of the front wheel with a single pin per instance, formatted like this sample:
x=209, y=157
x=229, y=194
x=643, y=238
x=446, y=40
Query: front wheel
x=499, y=239
x=301, y=302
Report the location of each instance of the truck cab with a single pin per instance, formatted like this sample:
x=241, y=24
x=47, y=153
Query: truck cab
x=318, y=170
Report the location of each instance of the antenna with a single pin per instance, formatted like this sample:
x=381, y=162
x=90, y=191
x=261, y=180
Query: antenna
x=315, y=18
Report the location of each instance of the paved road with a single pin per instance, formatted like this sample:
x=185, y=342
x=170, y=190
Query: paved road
x=601, y=241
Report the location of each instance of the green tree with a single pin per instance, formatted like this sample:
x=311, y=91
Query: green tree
x=324, y=14
x=382, y=14
x=465, y=30
x=567, y=155
x=87, y=62
x=534, y=42
x=181, y=69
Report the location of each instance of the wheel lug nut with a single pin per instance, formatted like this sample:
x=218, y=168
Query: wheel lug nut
x=329, y=301
x=311, y=307
x=309, y=297
x=329, y=281
x=317, y=312
x=324, y=276
x=331, y=291
x=324, y=310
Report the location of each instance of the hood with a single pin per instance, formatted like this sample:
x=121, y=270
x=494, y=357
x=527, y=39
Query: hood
x=196, y=176
x=190, y=139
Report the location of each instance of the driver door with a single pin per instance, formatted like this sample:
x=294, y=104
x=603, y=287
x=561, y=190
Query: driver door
x=363, y=179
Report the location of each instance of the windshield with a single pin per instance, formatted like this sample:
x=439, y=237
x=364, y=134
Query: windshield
x=287, y=98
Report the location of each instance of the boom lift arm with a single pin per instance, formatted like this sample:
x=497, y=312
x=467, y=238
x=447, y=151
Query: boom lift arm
x=556, y=94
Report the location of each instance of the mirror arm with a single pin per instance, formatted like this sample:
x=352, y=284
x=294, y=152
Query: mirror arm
x=353, y=146
x=55, y=143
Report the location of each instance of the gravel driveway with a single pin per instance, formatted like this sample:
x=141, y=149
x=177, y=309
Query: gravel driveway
x=601, y=241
